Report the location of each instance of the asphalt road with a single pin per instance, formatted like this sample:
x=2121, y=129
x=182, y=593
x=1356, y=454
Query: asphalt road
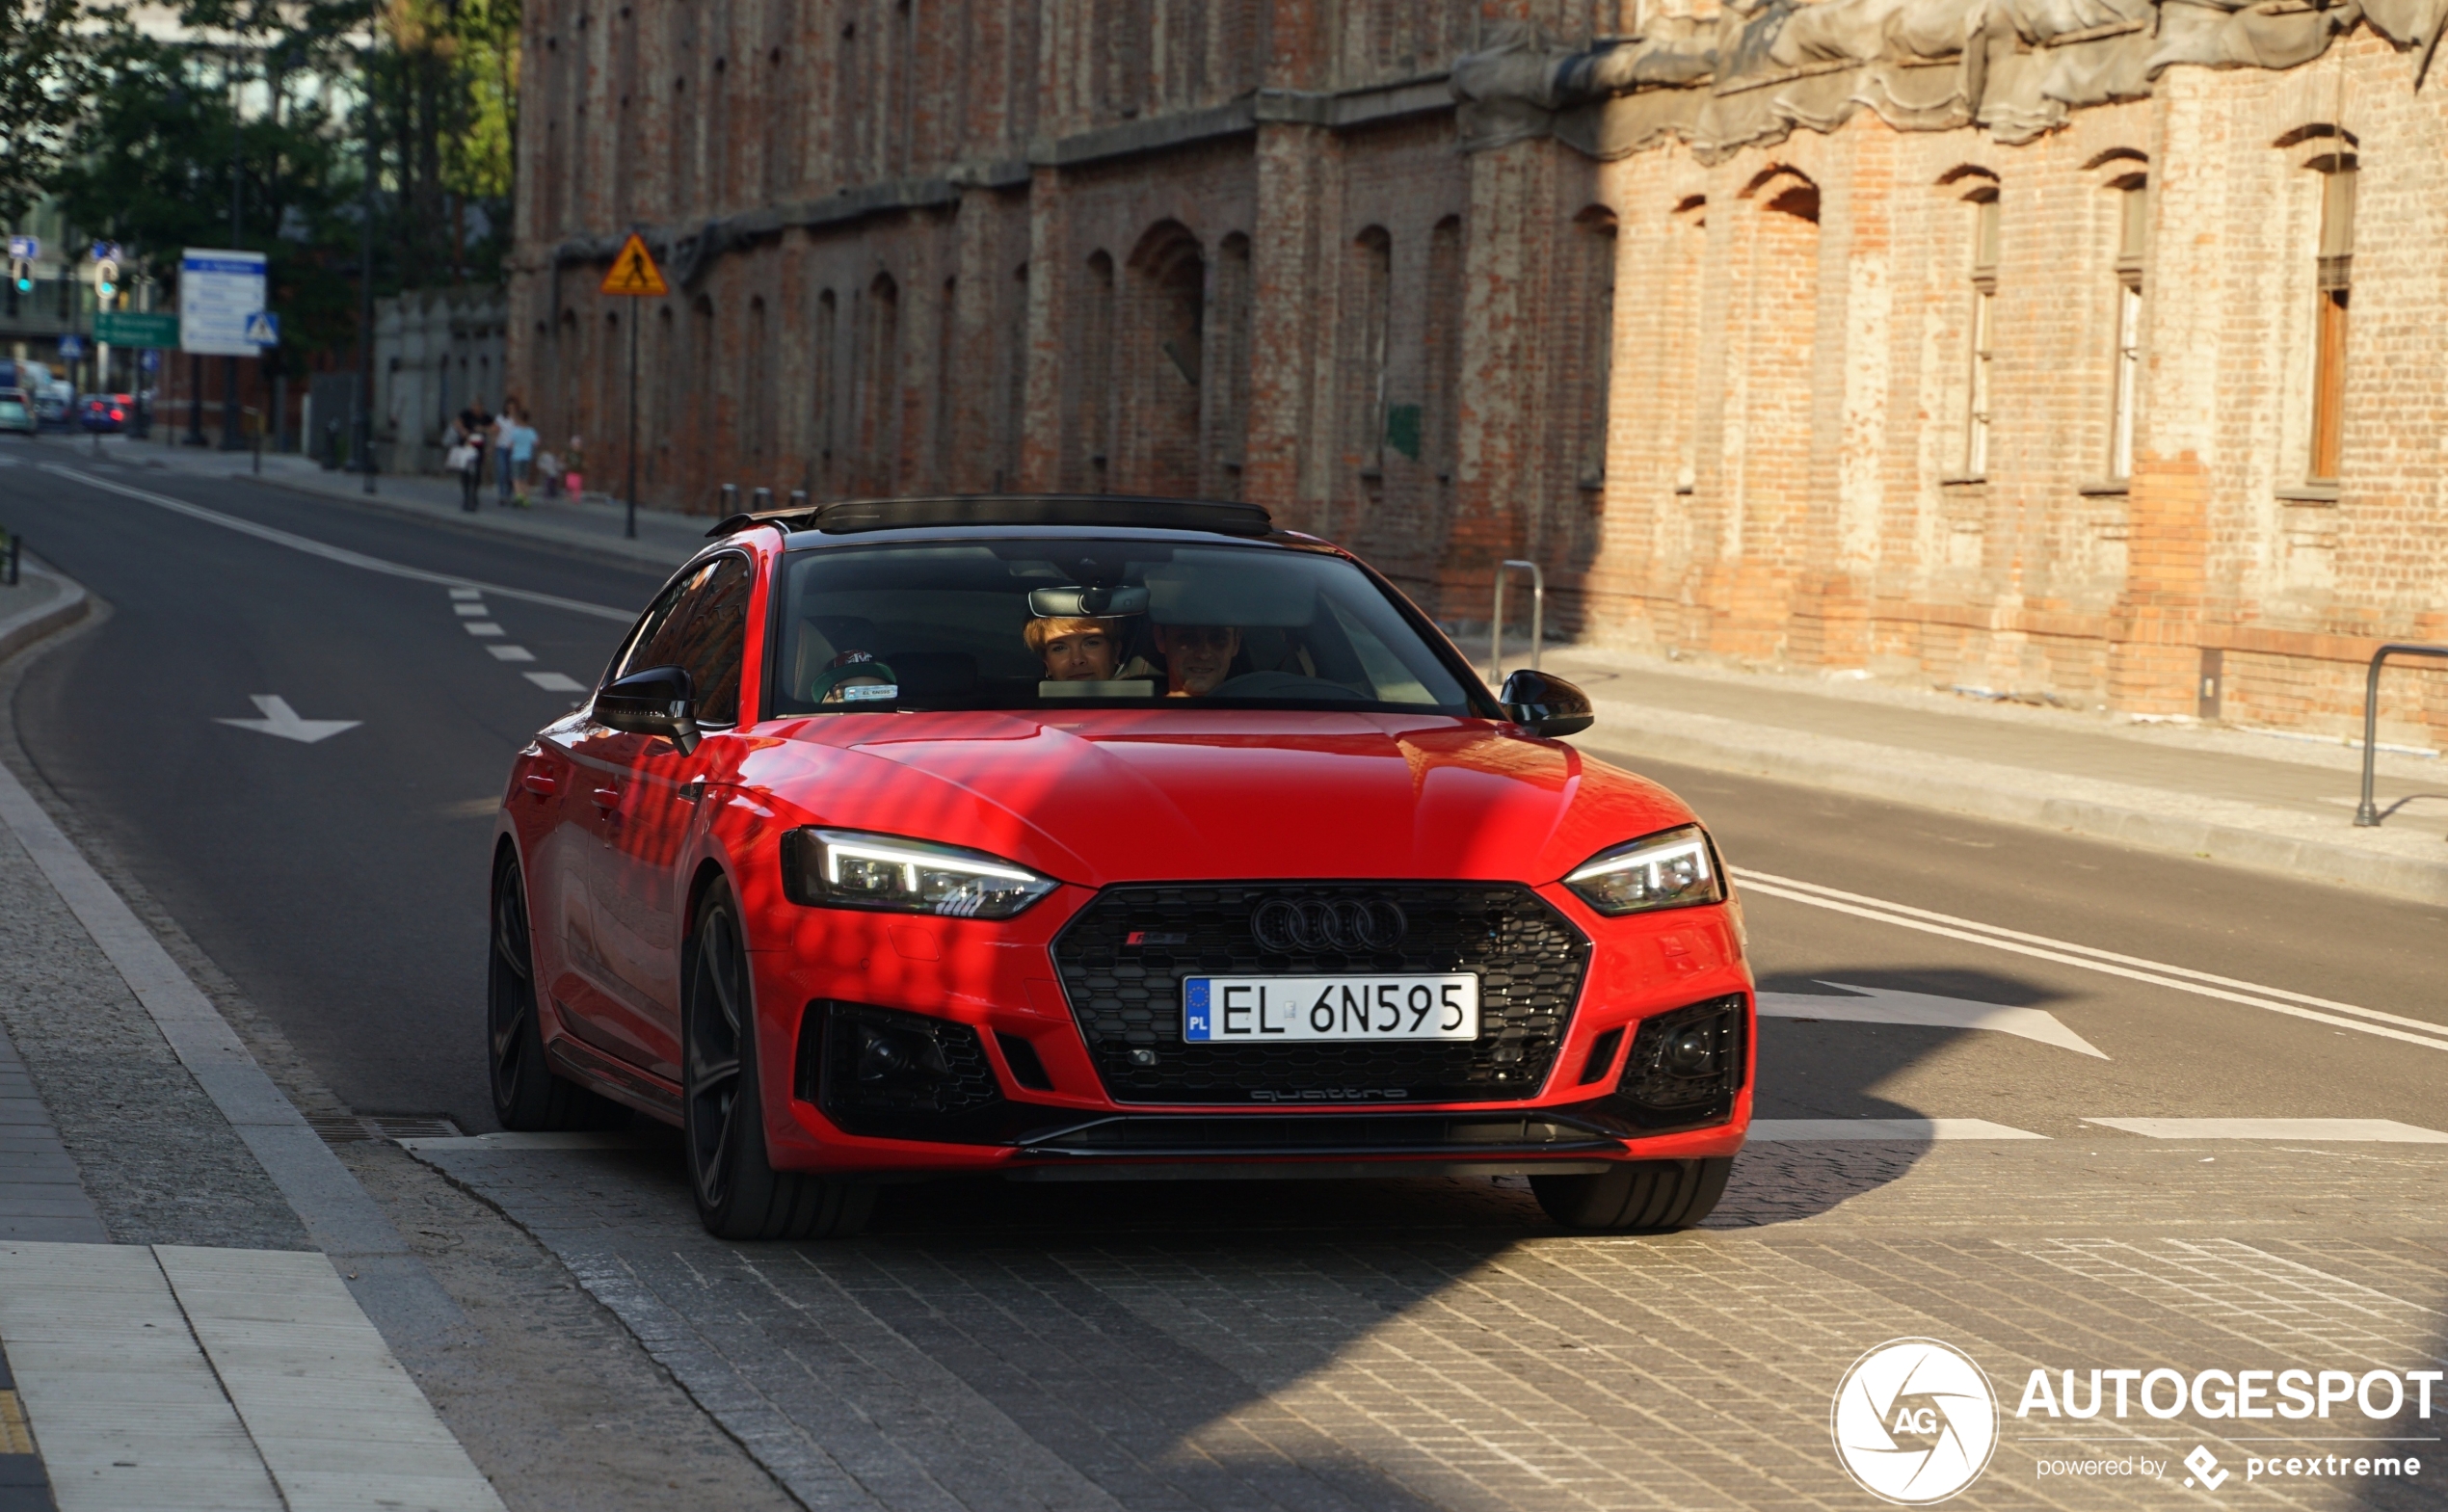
x=340, y=882
x=1321, y=1345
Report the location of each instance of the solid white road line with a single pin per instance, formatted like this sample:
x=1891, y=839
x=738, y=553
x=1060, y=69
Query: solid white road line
x=2184, y=979
x=510, y=653
x=556, y=682
x=2363, y=1131
x=1915, y=1130
x=125, y=1407
x=1885, y=1005
x=340, y=554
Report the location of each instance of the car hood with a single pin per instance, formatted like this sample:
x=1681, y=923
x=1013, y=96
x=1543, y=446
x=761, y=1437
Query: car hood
x=1111, y=796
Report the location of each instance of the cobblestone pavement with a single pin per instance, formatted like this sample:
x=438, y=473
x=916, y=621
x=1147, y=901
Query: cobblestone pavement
x=1438, y=1344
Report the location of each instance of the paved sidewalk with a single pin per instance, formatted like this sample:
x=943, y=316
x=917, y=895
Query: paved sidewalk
x=2230, y=795
x=593, y=527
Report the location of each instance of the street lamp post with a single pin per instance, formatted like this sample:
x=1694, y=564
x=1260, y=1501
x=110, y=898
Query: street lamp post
x=365, y=438
x=229, y=439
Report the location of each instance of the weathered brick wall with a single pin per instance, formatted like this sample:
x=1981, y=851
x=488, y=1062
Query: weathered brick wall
x=1229, y=247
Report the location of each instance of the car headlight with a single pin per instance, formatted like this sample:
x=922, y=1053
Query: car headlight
x=845, y=869
x=1672, y=870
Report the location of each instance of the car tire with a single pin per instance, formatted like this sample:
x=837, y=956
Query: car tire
x=740, y=1194
x=1636, y=1197
x=528, y=1095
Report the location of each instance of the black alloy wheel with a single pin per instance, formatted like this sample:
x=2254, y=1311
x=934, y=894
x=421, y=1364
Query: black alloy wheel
x=740, y=1194
x=1636, y=1197
x=526, y=1093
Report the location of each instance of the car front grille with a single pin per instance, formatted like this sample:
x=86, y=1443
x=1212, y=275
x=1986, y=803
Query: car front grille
x=1126, y=996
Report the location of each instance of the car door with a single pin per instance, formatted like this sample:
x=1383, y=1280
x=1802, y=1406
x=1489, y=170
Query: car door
x=636, y=886
x=592, y=762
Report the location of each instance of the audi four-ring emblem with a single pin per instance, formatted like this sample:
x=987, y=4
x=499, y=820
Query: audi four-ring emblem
x=1290, y=926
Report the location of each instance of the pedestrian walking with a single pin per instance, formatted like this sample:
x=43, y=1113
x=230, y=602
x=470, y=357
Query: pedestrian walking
x=473, y=428
x=505, y=432
x=522, y=458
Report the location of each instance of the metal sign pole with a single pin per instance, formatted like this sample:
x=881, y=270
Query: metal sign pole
x=631, y=530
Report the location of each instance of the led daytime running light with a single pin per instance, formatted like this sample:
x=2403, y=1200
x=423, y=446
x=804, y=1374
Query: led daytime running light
x=911, y=861
x=1653, y=860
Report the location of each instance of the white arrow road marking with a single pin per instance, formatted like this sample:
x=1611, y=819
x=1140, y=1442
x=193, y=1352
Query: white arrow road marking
x=340, y=554
x=1884, y=1005
x=2184, y=979
x=280, y=719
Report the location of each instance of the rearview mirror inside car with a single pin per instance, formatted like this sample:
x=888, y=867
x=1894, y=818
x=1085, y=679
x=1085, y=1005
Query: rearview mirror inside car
x=1094, y=602
x=655, y=702
x=1545, y=705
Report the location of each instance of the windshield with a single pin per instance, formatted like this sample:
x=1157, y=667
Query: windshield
x=12, y=409
x=1038, y=624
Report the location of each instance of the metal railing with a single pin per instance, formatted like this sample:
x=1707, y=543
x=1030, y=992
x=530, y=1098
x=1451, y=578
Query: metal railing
x=2367, y=814
x=1496, y=619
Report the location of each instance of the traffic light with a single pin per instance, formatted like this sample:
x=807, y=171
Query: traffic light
x=22, y=270
x=105, y=281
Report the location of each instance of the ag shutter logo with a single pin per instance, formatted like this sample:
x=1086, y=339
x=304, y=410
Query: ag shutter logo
x=1915, y=1422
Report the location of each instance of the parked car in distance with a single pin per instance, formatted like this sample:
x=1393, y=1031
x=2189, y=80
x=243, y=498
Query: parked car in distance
x=17, y=411
x=53, y=403
x=108, y=413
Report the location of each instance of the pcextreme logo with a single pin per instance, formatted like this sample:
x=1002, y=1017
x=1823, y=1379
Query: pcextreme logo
x=1915, y=1422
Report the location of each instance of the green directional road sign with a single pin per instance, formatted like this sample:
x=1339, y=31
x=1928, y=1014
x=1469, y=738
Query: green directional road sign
x=128, y=328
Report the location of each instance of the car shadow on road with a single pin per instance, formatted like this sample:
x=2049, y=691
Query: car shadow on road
x=1835, y=1069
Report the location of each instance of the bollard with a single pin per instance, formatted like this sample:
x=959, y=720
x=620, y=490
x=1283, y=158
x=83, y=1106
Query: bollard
x=730, y=500
x=799, y=499
x=761, y=501
x=1496, y=619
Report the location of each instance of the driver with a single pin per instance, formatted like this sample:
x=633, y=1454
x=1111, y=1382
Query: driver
x=1077, y=650
x=1196, y=656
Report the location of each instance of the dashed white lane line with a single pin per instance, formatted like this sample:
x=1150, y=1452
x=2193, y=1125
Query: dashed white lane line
x=481, y=627
x=556, y=682
x=1908, y=1130
x=510, y=653
x=467, y=593
x=339, y=554
x=2360, y=1130
x=2158, y=974
x=467, y=610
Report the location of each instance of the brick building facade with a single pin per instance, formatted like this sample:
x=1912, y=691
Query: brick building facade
x=2044, y=364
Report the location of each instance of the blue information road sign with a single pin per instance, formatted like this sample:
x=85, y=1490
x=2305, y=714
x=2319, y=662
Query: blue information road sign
x=27, y=247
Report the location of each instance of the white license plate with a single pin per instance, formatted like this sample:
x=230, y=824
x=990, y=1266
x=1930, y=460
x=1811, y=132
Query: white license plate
x=1271, y=1010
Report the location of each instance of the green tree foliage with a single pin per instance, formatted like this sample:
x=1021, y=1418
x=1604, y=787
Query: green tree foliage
x=272, y=107
x=41, y=79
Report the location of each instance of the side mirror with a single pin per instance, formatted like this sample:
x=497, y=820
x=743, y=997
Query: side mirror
x=655, y=702
x=1545, y=706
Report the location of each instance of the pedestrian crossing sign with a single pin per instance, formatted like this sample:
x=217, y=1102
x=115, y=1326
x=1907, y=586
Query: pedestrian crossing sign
x=263, y=328
x=633, y=272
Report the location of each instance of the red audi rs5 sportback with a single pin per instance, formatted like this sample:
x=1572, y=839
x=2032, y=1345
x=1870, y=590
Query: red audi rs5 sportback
x=1102, y=837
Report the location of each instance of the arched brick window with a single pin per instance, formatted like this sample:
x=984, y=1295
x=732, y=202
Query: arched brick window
x=1228, y=359
x=878, y=397
x=1368, y=360
x=1165, y=345
x=1590, y=347
x=1089, y=373
x=2336, y=279
x=823, y=370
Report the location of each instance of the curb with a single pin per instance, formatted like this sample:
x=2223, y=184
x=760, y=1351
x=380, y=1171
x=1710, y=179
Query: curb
x=1904, y=776
x=28, y=626
x=340, y=1217
x=589, y=550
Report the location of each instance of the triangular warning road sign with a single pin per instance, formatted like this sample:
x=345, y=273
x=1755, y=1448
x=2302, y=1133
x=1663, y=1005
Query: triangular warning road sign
x=633, y=270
